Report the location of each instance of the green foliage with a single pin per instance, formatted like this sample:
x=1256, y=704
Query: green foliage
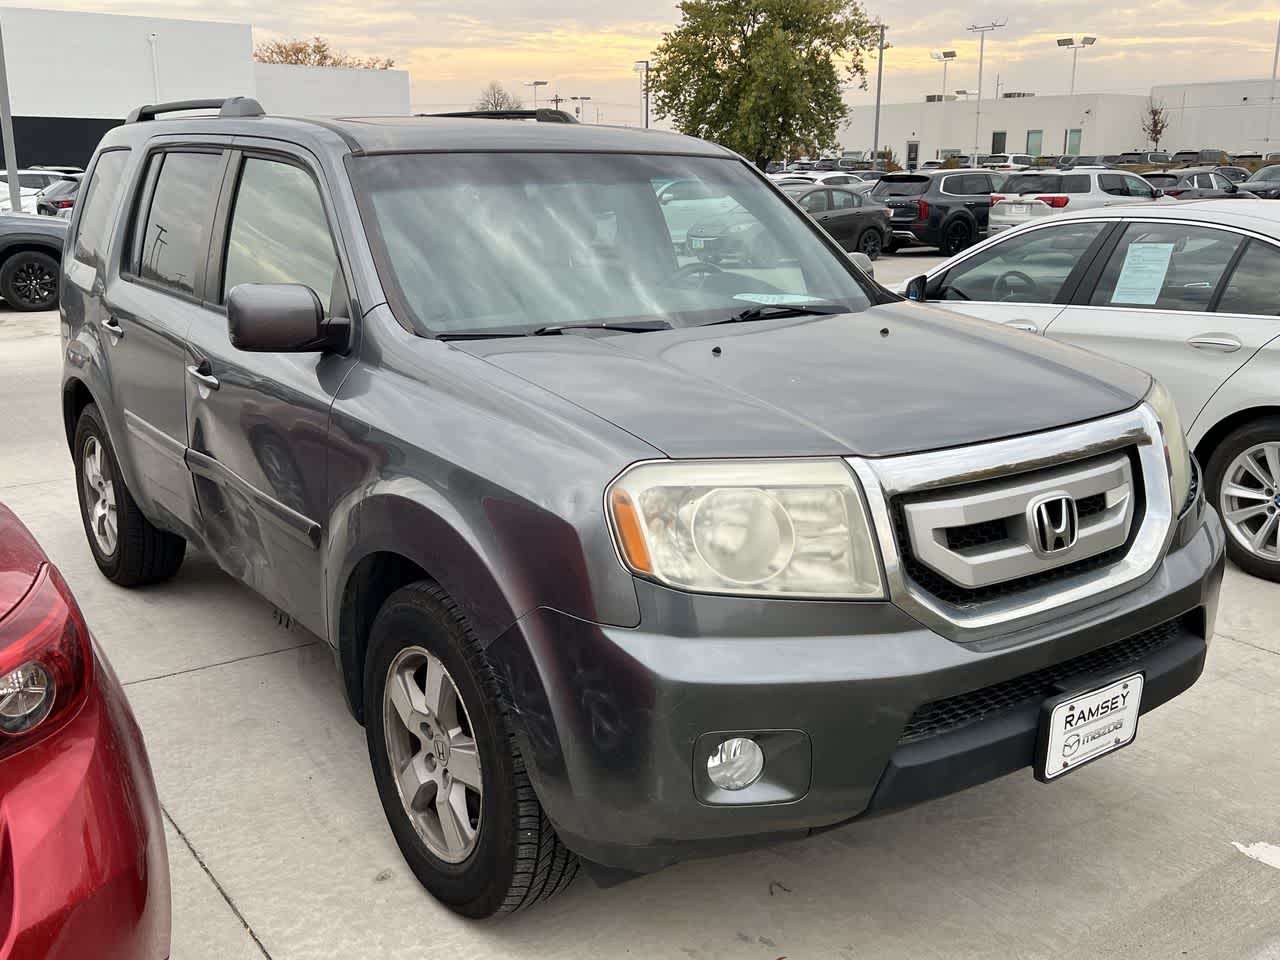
x=762, y=77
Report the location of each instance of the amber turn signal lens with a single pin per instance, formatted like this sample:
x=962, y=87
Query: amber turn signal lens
x=626, y=519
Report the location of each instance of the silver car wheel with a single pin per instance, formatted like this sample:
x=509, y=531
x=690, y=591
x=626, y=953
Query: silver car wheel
x=1250, y=500
x=432, y=748
x=99, y=496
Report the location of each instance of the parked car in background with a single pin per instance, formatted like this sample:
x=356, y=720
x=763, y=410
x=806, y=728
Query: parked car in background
x=1008, y=161
x=623, y=558
x=775, y=166
x=1070, y=161
x=84, y=871
x=1143, y=157
x=1042, y=193
x=1195, y=183
x=930, y=165
x=854, y=221
x=686, y=201
x=1265, y=183
x=30, y=255
x=56, y=168
x=870, y=175
x=59, y=196
x=1233, y=173
x=827, y=163
x=30, y=183
x=1201, y=156
x=1188, y=292
x=947, y=209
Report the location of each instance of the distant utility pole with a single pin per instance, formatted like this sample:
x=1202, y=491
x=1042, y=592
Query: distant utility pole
x=6, y=134
x=875, y=146
x=557, y=100
x=982, y=30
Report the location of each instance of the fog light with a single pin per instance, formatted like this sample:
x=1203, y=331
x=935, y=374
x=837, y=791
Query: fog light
x=26, y=694
x=736, y=764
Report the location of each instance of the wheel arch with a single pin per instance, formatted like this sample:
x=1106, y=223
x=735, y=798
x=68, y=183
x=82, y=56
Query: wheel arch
x=76, y=395
x=1214, y=436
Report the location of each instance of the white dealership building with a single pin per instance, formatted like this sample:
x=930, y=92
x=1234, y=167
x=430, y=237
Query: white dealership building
x=1231, y=116
x=74, y=75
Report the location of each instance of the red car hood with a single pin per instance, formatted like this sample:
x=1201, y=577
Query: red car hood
x=20, y=560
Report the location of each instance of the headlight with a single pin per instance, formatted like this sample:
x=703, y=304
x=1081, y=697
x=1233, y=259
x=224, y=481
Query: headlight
x=794, y=528
x=1177, y=456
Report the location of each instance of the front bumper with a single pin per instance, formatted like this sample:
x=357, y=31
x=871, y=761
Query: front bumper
x=83, y=866
x=613, y=722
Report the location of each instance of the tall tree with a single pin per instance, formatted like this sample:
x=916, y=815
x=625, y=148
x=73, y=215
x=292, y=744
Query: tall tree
x=762, y=76
x=496, y=97
x=1155, y=122
x=315, y=52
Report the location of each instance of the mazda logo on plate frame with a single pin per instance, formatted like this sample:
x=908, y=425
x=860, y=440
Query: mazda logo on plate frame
x=1055, y=523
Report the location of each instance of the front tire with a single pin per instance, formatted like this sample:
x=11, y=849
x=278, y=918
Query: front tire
x=1243, y=479
x=452, y=782
x=29, y=281
x=871, y=243
x=128, y=548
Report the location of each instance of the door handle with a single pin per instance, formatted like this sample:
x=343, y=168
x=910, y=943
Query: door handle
x=1026, y=325
x=201, y=374
x=112, y=326
x=1219, y=342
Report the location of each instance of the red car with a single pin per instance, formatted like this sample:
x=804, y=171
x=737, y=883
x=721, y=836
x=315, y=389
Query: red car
x=83, y=867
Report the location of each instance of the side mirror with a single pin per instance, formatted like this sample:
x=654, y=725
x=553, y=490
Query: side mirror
x=1156, y=193
x=916, y=288
x=863, y=263
x=1232, y=188
x=664, y=199
x=282, y=318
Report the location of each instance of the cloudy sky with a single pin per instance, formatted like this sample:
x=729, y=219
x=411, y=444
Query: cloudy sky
x=587, y=47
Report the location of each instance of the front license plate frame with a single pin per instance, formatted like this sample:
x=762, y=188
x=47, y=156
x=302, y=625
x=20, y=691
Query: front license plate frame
x=1103, y=718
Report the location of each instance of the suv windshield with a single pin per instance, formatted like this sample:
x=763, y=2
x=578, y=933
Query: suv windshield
x=894, y=186
x=500, y=243
x=1267, y=173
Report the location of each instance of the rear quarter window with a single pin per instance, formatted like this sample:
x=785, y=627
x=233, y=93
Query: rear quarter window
x=101, y=200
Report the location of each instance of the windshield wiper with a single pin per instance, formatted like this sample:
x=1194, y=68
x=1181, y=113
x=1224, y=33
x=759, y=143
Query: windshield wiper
x=633, y=326
x=772, y=310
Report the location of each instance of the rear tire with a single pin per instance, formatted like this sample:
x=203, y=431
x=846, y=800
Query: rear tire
x=870, y=242
x=956, y=236
x=128, y=548
x=510, y=857
x=29, y=281
x=1223, y=464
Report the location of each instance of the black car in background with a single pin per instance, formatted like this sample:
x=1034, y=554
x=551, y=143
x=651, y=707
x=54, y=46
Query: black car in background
x=58, y=197
x=30, y=257
x=1265, y=183
x=1209, y=155
x=1233, y=173
x=1195, y=183
x=856, y=222
x=947, y=209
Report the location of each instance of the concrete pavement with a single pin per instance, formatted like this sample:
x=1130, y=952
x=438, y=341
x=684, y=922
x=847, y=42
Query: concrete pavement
x=279, y=849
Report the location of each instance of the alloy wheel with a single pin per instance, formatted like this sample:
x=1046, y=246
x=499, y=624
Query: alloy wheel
x=871, y=244
x=432, y=748
x=100, y=495
x=1250, y=499
x=34, y=284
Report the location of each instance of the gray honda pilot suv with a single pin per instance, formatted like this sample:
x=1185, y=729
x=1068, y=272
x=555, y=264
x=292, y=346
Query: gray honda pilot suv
x=624, y=557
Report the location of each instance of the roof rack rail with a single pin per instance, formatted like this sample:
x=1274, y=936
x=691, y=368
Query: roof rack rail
x=226, y=107
x=542, y=115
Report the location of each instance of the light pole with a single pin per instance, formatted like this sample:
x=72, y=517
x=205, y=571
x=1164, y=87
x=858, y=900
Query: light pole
x=946, y=56
x=875, y=146
x=535, y=84
x=982, y=29
x=1271, y=101
x=580, y=102
x=1074, y=45
x=642, y=66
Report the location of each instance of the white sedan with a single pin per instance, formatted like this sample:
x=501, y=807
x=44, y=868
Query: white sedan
x=1189, y=292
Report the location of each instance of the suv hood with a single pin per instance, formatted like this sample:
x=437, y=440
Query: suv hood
x=900, y=378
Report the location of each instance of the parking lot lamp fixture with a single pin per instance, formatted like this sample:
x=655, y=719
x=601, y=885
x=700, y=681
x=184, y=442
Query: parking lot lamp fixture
x=1075, y=45
x=535, y=84
x=945, y=56
x=982, y=29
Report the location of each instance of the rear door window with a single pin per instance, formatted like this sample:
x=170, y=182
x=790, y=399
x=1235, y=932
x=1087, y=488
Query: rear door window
x=844, y=200
x=175, y=237
x=1026, y=268
x=1254, y=286
x=1166, y=266
x=1113, y=184
x=815, y=202
x=1138, y=187
x=101, y=198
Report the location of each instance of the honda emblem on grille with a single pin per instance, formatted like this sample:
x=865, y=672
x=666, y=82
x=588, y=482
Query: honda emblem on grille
x=1055, y=523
